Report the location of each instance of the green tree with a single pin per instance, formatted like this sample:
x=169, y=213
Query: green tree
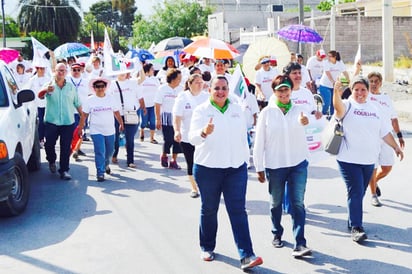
x=47, y=38
x=58, y=16
x=328, y=4
x=11, y=28
x=173, y=18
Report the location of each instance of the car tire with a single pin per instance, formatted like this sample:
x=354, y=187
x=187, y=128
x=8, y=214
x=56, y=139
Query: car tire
x=34, y=162
x=19, y=195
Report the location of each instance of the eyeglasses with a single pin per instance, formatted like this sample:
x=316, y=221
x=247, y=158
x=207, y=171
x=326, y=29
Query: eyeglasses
x=76, y=70
x=99, y=86
x=61, y=70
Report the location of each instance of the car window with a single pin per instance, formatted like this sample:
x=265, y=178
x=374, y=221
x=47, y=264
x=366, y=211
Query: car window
x=3, y=97
x=10, y=83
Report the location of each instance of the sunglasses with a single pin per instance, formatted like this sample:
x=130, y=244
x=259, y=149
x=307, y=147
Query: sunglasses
x=99, y=86
x=76, y=70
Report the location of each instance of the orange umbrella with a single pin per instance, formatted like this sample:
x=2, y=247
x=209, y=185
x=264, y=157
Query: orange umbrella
x=211, y=48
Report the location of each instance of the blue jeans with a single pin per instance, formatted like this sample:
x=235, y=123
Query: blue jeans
x=327, y=95
x=52, y=132
x=296, y=179
x=40, y=114
x=103, y=151
x=148, y=120
x=129, y=132
x=232, y=182
x=356, y=178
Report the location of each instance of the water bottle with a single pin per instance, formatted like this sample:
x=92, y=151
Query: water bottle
x=122, y=139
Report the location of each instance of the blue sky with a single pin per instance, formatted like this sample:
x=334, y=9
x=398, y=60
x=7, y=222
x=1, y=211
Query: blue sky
x=144, y=7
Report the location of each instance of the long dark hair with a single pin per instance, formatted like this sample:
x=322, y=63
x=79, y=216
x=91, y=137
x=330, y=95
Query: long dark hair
x=335, y=54
x=174, y=62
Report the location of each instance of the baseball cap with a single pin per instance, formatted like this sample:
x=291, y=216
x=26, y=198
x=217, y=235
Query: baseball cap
x=321, y=53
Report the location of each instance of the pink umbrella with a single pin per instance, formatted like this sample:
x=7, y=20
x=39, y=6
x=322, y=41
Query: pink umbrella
x=8, y=55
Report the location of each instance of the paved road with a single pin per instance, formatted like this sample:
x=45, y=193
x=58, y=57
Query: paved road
x=143, y=221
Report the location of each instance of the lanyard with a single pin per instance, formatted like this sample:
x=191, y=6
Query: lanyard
x=78, y=84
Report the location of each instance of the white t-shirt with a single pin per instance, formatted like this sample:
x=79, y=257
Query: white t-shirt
x=264, y=79
x=334, y=69
x=82, y=87
x=203, y=67
x=303, y=97
x=130, y=92
x=22, y=79
x=315, y=67
x=36, y=84
x=364, y=128
x=280, y=140
x=385, y=103
x=184, y=105
x=166, y=97
x=249, y=106
x=149, y=88
x=305, y=74
x=100, y=110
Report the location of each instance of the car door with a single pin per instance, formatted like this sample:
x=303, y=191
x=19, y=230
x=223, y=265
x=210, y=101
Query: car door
x=21, y=117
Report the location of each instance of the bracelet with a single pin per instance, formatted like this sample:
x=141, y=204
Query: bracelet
x=399, y=134
x=203, y=135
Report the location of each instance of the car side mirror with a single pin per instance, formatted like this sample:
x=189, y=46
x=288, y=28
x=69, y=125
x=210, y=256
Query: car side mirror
x=25, y=95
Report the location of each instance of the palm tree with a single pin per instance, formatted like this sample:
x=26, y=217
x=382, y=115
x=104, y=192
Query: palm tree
x=58, y=16
x=127, y=9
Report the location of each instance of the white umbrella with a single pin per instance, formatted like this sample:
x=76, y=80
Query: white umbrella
x=265, y=46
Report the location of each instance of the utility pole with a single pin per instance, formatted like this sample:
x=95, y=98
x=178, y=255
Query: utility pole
x=4, y=23
x=387, y=40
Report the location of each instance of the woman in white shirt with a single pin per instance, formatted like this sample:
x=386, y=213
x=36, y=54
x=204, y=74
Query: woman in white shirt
x=149, y=84
x=364, y=128
x=102, y=109
x=281, y=152
x=164, y=101
x=333, y=67
x=132, y=101
x=183, y=108
x=218, y=131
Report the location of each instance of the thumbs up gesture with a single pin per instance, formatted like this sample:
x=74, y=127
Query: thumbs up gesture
x=303, y=119
x=208, y=129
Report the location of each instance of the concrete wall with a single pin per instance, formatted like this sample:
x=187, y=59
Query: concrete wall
x=370, y=38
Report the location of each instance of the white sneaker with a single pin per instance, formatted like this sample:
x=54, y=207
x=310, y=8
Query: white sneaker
x=375, y=201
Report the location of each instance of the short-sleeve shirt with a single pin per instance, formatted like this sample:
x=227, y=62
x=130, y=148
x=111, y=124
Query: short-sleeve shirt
x=100, y=110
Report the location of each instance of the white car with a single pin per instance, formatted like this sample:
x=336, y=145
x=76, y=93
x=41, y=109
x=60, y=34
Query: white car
x=19, y=143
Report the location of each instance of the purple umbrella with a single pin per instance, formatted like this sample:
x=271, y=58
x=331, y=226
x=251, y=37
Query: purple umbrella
x=300, y=34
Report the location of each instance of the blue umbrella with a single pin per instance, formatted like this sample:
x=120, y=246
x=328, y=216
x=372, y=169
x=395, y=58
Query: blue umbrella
x=70, y=49
x=142, y=54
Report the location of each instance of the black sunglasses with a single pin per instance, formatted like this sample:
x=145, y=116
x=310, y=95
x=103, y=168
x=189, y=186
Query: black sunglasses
x=76, y=70
x=99, y=86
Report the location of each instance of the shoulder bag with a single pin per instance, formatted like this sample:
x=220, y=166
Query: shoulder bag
x=130, y=116
x=335, y=140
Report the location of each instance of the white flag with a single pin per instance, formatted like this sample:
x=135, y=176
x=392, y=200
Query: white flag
x=115, y=64
x=238, y=84
x=39, y=50
x=92, y=46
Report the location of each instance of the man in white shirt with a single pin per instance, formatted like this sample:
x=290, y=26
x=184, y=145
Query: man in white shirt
x=263, y=82
x=315, y=67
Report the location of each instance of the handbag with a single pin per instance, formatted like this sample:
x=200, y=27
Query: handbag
x=130, y=116
x=335, y=140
